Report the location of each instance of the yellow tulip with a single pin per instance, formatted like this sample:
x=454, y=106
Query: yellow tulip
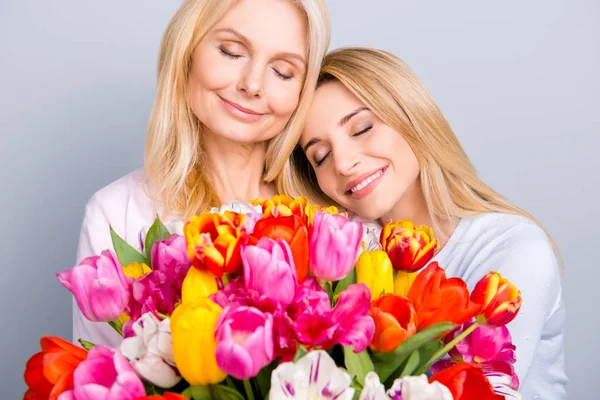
x=375, y=270
x=198, y=285
x=403, y=282
x=136, y=270
x=193, y=334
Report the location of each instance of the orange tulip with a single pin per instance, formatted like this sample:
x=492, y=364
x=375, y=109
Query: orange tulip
x=294, y=232
x=437, y=299
x=50, y=372
x=284, y=206
x=165, y=396
x=395, y=321
x=214, y=241
x=499, y=298
x=409, y=247
x=466, y=382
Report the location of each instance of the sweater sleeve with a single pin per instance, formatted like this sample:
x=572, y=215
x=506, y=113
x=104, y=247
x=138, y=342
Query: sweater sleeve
x=525, y=256
x=94, y=238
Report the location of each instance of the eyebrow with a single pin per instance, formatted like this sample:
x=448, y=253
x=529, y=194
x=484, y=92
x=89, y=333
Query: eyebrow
x=341, y=122
x=247, y=41
x=348, y=117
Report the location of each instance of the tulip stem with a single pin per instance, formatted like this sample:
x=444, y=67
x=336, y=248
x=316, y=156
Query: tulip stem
x=248, y=387
x=448, y=347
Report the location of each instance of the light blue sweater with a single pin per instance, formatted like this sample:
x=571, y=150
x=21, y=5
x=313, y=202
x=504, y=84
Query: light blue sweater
x=520, y=251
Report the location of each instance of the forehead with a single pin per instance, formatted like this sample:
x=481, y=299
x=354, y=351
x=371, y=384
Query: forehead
x=331, y=102
x=275, y=24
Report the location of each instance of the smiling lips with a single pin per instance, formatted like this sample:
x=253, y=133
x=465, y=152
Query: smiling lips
x=240, y=112
x=364, y=184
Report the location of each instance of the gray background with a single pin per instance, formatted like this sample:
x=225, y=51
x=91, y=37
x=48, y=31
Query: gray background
x=517, y=80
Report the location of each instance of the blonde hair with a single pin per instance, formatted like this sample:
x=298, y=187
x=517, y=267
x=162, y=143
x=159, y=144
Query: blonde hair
x=386, y=85
x=173, y=156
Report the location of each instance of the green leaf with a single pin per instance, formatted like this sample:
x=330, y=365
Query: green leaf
x=425, y=353
x=201, y=392
x=125, y=253
x=226, y=393
x=85, y=344
x=327, y=287
x=301, y=352
x=116, y=327
x=388, y=363
x=156, y=233
x=358, y=364
x=411, y=364
x=187, y=393
x=263, y=379
x=344, y=283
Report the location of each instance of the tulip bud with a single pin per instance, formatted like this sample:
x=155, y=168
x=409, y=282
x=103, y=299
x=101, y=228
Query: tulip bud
x=410, y=248
x=500, y=299
x=193, y=334
x=374, y=269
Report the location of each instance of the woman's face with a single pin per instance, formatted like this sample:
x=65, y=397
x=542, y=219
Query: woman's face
x=360, y=162
x=248, y=70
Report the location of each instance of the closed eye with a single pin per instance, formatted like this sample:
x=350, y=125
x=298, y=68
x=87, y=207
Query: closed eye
x=228, y=54
x=367, y=129
x=281, y=75
x=319, y=162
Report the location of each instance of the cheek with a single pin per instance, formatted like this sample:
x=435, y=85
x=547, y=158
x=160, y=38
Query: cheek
x=328, y=184
x=211, y=71
x=283, y=97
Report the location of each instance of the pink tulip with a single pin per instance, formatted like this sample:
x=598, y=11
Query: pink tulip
x=244, y=341
x=170, y=256
x=104, y=375
x=269, y=269
x=334, y=243
x=99, y=286
x=490, y=347
x=349, y=323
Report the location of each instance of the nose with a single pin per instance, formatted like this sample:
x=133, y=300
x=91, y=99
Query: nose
x=345, y=160
x=251, y=82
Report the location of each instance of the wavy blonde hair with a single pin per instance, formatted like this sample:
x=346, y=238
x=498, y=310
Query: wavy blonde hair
x=386, y=85
x=173, y=156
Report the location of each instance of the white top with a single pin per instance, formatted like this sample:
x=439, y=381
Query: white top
x=124, y=205
x=520, y=251
x=512, y=245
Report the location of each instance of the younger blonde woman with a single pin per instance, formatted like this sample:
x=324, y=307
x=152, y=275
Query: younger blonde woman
x=376, y=143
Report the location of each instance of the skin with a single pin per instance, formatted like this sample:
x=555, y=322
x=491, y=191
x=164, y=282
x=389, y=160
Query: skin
x=347, y=145
x=246, y=77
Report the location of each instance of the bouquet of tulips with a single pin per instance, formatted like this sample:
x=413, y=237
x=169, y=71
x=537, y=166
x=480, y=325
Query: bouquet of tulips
x=285, y=300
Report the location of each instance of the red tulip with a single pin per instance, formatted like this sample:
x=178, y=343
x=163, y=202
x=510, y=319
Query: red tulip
x=466, y=382
x=499, y=298
x=438, y=299
x=50, y=372
x=292, y=230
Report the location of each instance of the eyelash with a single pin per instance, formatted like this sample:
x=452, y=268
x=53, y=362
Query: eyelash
x=282, y=76
x=236, y=56
x=228, y=54
x=367, y=129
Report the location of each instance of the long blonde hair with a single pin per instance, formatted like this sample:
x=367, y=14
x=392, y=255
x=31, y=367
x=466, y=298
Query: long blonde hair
x=173, y=157
x=386, y=85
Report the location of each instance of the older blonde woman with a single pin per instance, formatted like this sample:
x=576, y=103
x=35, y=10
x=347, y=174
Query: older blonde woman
x=234, y=79
x=376, y=143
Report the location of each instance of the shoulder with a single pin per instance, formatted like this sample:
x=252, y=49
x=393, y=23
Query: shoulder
x=494, y=232
x=114, y=196
x=123, y=204
x=510, y=244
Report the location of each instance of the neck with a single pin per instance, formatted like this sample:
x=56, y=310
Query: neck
x=235, y=170
x=414, y=207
